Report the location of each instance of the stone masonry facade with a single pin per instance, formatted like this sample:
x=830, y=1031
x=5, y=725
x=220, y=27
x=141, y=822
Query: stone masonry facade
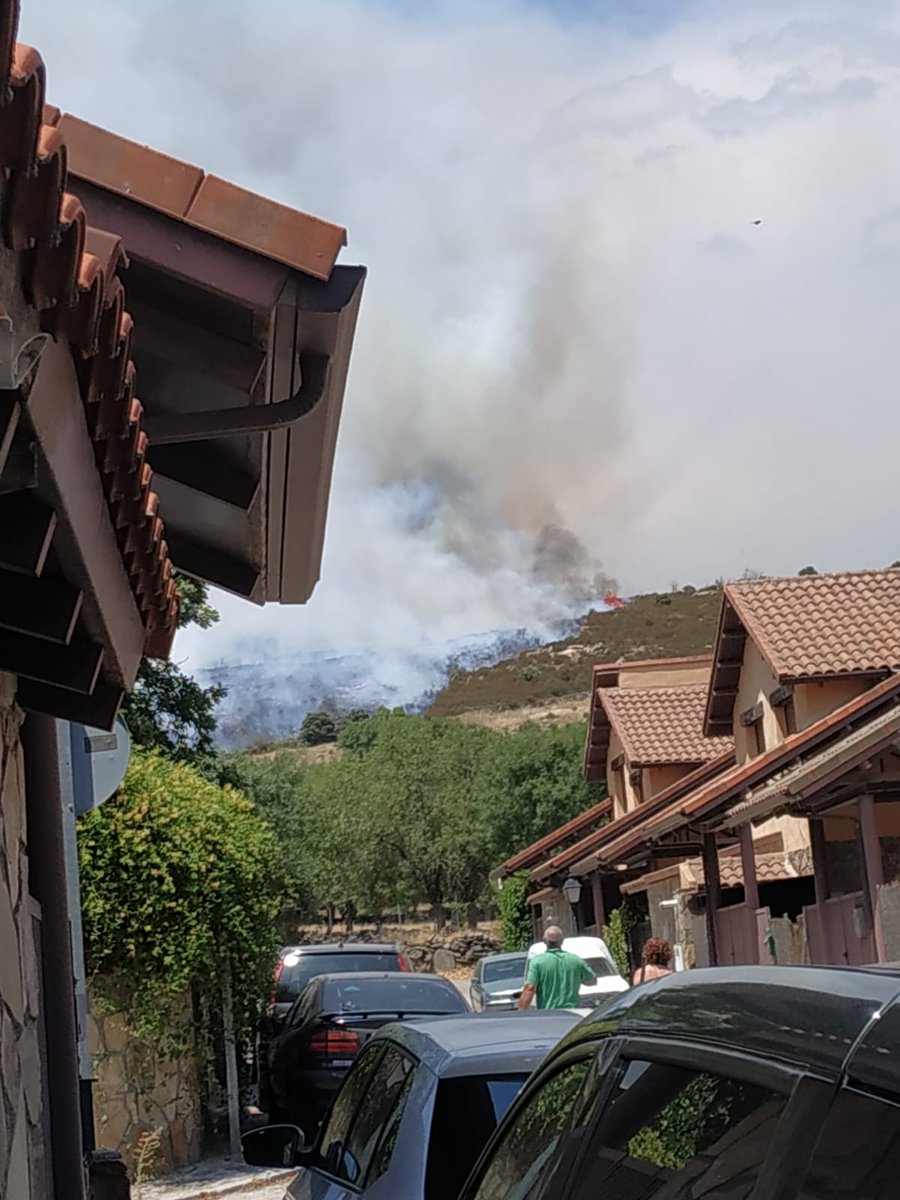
x=23, y=1142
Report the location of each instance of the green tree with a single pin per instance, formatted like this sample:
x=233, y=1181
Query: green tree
x=176, y=875
x=318, y=728
x=168, y=710
x=807, y=571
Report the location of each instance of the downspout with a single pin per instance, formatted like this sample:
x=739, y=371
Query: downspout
x=168, y=428
x=47, y=881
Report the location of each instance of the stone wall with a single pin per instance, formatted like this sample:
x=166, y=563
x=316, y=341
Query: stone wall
x=24, y=1169
x=139, y=1093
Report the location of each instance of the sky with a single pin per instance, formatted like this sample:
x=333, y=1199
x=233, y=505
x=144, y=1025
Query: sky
x=634, y=285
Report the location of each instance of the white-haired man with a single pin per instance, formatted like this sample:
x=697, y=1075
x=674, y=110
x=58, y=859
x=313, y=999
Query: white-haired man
x=556, y=975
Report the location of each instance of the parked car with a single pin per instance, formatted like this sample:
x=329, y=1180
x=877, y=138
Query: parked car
x=329, y=1024
x=416, y=1109
x=498, y=981
x=297, y=965
x=595, y=953
x=732, y=1082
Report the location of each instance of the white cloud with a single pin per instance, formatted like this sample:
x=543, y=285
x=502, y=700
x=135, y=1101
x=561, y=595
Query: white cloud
x=570, y=317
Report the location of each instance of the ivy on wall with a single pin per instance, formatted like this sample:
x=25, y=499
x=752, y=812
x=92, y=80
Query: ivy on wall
x=515, y=914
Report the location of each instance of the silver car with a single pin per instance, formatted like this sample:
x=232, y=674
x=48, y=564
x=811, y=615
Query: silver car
x=416, y=1109
x=498, y=981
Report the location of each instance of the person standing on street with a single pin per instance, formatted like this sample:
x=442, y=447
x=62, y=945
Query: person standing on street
x=556, y=975
x=657, y=961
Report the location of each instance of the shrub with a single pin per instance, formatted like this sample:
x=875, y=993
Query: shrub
x=177, y=876
x=615, y=934
x=318, y=728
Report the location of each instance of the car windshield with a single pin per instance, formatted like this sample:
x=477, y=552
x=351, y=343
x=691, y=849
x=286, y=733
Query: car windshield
x=601, y=967
x=405, y=994
x=298, y=970
x=466, y=1111
x=504, y=968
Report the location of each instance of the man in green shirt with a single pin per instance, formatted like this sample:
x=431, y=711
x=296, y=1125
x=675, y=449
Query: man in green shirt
x=556, y=975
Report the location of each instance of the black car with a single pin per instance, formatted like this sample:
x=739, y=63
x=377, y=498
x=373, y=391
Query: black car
x=416, y=1109
x=737, y=1083
x=329, y=1024
x=297, y=965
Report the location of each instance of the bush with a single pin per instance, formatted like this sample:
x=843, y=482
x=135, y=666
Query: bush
x=177, y=876
x=615, y=934
x=318, y=728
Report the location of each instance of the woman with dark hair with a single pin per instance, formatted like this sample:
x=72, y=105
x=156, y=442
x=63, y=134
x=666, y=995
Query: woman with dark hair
x=657, y=961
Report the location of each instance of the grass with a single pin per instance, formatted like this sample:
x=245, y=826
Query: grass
x=654, y=626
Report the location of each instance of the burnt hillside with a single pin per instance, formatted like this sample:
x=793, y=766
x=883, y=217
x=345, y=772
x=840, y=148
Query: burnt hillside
x=652, y=626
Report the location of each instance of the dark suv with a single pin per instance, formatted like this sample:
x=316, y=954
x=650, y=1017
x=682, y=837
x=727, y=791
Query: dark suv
x=738, y=1083
x=297, y=965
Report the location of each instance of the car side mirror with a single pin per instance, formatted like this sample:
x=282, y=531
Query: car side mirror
x=275, y=1146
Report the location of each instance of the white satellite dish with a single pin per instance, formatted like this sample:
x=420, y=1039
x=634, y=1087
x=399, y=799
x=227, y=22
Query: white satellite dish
x=99, y=762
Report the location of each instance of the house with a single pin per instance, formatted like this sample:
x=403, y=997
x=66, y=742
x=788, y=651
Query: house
x=111, y=479
x=804, y=677
x=645, y=733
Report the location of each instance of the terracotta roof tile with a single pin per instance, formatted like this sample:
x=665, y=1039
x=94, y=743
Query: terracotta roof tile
x=701, y=803
x=70, y=275
x=814, y=625
x=662, y=725
x=536, y=851
x=205, y=202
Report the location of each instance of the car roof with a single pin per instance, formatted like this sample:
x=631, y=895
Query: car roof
x=338, y=947
x=473, y=1043
x=809, y=1016
x=398, y=977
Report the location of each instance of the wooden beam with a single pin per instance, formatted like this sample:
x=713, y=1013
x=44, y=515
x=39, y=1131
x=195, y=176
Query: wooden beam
x=206, y=563
x=9, y=421
x=873, y=869
x=75, y=667
x=99, y=709
x=43, y=608
x=713, y=893
x=88, y=551
x=211, y=474
x=26, y=531
x=748, y=864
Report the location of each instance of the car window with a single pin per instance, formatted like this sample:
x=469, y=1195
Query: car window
x=298, y=970
x=601, y=967
x=506, y=968
x=385, y=1092
x=381, y=1159
x=399, y=994
x=858, y=1153
x=678, y=1133
x=467, y=1109
x=347, y=1101
x=532, y=1144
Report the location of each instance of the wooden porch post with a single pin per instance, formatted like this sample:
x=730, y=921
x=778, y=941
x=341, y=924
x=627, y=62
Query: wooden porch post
x=748, y=863
x=599, y=908
x=713, y=893
x=820, y=866
x=872, y=868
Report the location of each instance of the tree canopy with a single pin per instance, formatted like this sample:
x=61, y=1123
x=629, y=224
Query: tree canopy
x=415, y=809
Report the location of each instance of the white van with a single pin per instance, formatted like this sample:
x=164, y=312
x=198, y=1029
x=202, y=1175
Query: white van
x=596, y=954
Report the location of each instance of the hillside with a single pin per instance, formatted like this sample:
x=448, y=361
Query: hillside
x=538, y=680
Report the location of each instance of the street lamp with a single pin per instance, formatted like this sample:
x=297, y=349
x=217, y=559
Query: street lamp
x=572, y=892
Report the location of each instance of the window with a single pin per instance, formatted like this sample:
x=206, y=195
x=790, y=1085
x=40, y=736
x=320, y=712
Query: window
x=347, y=1101
x=298, y=970
x=385, y=1094
x=394, y=994
x=466, y=1111
x=858, y=1154
x=758, y=733
x=678, y=1133
x=538, y=1140
x=504, y=968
